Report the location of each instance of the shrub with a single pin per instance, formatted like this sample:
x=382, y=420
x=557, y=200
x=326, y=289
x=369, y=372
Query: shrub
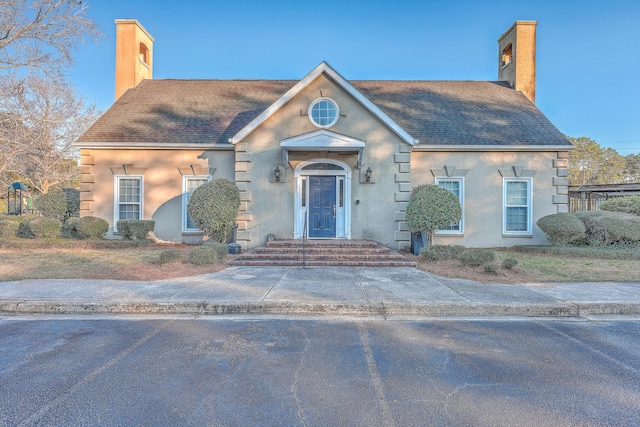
x=24, y=230
x=169, y=255
x=416, y=190
x=221, y=248
x=138, y=229
x=69, y=227
x=44, y=228
x=562, y=228
x=432, y=208
x=477, y=257
x=204, y=255
x=89, y=227
x=441, y=252
x=214, y=208
x=8, y=228
x=509, y=263
x=629, y=204
x=52, y=205
x=72, y=197
x=611, y=228
x=491, y=268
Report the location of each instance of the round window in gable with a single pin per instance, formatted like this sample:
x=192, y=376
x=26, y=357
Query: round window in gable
x=323, y=112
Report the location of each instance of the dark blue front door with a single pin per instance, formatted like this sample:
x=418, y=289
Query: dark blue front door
x=322, y=203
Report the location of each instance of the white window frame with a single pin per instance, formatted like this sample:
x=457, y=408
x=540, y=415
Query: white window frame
x=460, y=230
x=116, y=197
x=529, y=206
x=185, y=200
x=313, y=104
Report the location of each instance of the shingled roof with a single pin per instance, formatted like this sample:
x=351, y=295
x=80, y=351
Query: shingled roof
x=437, y=113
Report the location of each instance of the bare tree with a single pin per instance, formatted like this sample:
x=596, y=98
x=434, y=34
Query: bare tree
x=42, y=34
x=40, y=120
x=40, y=114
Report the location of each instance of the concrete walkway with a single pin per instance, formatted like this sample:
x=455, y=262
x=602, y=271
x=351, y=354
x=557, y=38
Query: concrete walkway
x=362, y=291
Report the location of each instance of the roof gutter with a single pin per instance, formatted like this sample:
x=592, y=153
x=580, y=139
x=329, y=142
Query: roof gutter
x=151, y=146
x=493, y=148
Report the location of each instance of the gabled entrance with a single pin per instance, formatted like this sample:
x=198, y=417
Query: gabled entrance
x=322, y=199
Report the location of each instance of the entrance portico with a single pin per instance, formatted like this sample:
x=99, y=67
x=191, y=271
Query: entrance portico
x=322, y=207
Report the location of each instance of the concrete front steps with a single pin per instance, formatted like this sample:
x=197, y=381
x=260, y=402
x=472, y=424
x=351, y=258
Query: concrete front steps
x=363, y=253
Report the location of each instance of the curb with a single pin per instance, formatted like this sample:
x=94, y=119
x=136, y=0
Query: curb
x=17, y=307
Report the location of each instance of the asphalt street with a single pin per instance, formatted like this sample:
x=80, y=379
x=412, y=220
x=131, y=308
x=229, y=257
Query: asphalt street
x=338, y=371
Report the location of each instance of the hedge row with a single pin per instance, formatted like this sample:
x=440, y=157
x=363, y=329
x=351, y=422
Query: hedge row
x=33, y=226
x=594, y=228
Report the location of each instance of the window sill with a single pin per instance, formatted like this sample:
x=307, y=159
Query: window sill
x=192, y=233
x=526, y=235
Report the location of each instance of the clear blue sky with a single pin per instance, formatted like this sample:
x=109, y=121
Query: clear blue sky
x=588, y=52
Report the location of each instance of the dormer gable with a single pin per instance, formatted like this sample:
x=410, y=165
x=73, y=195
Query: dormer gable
x=324, y=68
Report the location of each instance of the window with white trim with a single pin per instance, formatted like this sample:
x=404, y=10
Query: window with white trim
x=324, y=112
x=516, y=217
x=456, y=187
x=189, y=184
x=127, y=198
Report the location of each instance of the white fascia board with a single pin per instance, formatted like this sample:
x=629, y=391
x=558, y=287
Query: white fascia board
x=322, y=139
x=493, y=148
x=324, y=68
x=151, y=146
x=329, y=146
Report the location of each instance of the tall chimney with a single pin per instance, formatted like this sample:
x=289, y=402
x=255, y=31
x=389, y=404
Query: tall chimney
x=517, y=57
x=134, y=55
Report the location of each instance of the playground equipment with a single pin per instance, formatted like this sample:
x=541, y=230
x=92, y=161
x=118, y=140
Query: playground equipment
x=19, y=199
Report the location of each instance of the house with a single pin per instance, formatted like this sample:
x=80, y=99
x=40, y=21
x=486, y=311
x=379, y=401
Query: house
x=324, y=156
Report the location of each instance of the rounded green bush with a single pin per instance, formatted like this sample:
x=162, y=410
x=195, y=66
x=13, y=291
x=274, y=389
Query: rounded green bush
x=611, y=228
x=169, y=255
x=45, y=228
x=90, y=227
x=491, y=268
x=135, y=229
x=441, y=252
x=221, y=248
x=509, y=263
x=69, y=227
x=477, y=257
x=24, y=229
x=8, y=228
x=629, y=204
x=204, y=255
x=562, y=228
x=432, y=208
x=52, y=205
x=214, y=208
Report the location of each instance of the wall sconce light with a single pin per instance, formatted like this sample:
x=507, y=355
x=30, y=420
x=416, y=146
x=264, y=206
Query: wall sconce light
x=368, y=174
x=276, y=173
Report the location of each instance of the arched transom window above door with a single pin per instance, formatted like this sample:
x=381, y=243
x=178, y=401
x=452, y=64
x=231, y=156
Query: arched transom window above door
x=323, y=166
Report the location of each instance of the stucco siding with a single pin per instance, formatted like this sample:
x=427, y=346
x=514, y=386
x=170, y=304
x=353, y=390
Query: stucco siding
x=484, y=174
x=161, y=172
x=271, y=205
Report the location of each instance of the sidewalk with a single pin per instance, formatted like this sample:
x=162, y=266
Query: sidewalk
x=360, y=291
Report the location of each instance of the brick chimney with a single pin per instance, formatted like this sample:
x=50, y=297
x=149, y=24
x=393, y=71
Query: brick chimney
x=517, y=57
x=134, y=55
